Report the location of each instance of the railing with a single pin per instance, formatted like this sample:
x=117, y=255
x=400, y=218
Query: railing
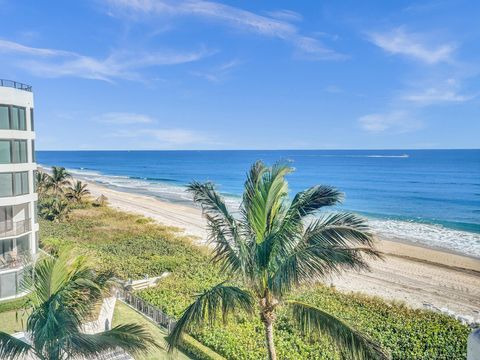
x=15, y=85
x=9, y=262
x=14, y=228
x=149, y=310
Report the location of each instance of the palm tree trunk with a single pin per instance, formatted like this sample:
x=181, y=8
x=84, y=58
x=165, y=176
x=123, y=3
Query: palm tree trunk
x=272, y=355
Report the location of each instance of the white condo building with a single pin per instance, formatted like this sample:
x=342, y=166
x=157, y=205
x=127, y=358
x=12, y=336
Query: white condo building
x=18, y=198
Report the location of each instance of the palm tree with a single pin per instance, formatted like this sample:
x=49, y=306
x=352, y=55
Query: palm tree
x=54, y=208
x=60, y=178
x=77, y=191
x=273, y=246
x=43, y=182
x=65, y=292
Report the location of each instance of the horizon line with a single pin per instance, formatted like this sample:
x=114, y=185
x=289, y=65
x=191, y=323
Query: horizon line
x=247, y=149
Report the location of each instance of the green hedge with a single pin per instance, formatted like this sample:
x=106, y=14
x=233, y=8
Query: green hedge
x=10, y=305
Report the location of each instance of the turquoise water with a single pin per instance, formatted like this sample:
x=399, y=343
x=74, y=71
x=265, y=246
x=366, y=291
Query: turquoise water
x=426, y=196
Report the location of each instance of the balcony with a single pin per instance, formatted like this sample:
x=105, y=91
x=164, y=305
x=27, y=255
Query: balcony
x=11, y=261
x=13, y=228
x=15, y=85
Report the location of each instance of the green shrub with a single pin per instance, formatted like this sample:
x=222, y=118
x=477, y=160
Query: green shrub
x=198, y=351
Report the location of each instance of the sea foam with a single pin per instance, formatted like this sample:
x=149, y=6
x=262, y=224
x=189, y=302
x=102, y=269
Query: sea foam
x=430, y=235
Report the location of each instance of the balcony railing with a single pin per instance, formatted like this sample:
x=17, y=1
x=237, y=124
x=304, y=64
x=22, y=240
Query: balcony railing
x=15, y=85
x=14, y=228
x=11, y=261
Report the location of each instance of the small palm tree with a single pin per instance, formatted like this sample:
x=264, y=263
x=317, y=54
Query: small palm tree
x=77, y=191
x=65, y=292
x=43, y=182
x=59, y=179
x=273, y=246
x=54, y=208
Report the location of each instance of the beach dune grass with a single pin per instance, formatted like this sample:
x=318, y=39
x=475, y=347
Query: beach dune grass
x=133, y=247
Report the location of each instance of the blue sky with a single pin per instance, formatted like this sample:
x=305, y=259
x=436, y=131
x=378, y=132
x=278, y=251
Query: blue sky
x=153, y=74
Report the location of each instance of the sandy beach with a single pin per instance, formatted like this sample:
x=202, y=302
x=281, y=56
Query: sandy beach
x=415, y=275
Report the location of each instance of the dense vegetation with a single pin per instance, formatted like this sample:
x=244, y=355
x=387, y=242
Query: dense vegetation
x=64, y=292
x=132, y=246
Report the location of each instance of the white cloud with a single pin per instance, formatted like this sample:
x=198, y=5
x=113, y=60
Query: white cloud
x=231, y=16
x=13, y=47
x=399, y=41
x=123, y=118
x=395, y=121
x=446, y=92
x=435, y=95
x=218, y=73
x=164, y=137
x=287, y=15
x=118, y=65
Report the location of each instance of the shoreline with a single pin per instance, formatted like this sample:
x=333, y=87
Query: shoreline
x=393, y=246
x=420, y=277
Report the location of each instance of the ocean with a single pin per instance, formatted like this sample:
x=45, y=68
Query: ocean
x=429, y=197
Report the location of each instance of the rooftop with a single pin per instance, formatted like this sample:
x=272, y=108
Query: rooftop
x=15, y=85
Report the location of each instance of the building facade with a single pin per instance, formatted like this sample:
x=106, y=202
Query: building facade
x=18, y=198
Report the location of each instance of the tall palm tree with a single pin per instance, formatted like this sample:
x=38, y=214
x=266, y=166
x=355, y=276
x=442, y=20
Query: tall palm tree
x=43, y=182
x=77, y=191
x=273, y=246
x=59, y=179
x=65, y=292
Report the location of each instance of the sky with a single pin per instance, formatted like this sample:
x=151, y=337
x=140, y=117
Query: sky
x=155, y=74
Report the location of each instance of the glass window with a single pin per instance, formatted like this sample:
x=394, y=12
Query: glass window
x=23, y=244
x=20, y=184
x=6, y=184
x=35, y=211
x=6, y=248
x=17, y=185
x=6, y=218
x=34, y=158
x=18, y=120
x=19, y=151
x=4, y=118
x=5, y=152
x=6, y=213
x=32, y=127
x=25, y=189
x=8, y=284
x=15, y=124
x=22, y=119
x=23, y=151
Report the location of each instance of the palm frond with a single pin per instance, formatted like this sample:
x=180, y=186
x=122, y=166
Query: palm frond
x=231, y=254
x=308, y=201
x=12, y=348
x=65, y=291
x=339, y=229
x=312, y=263
x=133, y=338
x=221, y=299
x=230, y=249
x=263, y=210
x=313, y=320
x=287, y=238
x=212, y=204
